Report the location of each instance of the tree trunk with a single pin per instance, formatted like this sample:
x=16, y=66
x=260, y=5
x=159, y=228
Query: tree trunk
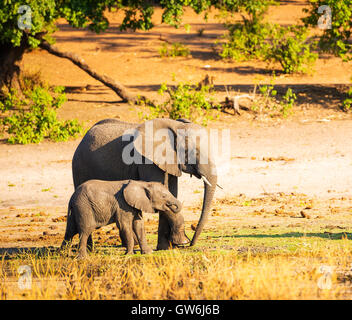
x=10, y=59
x=117, y=87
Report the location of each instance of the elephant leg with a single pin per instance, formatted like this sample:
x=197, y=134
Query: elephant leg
x=90, y=243
x=139, y=231
x=124, y=241
x=164, y=232
x=129, y=241
x=82, y=251
x=127, y=234
x=70, y=232
x=164, y=229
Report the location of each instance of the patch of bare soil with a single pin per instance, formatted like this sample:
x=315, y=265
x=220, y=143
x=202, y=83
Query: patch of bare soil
x=309, y=153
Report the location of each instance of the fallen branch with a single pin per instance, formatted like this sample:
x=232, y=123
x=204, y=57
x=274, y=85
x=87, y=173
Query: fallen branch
x=235, y=100
x=117, y=87
x=164, y=39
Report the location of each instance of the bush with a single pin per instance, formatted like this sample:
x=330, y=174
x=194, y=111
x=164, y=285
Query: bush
x=245, y=41
x=347, y=103
x=185, y=101
x=33, y=118
x=287, y=103
x=254, y=38
x=289, y=47
x=175, y=49
x=336, y=39
x=268, y=101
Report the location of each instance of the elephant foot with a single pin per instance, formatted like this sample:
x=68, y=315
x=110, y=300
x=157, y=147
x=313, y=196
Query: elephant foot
x=65, y=248
x=146, y=251
x=81, y=256
x=164, y=245
x=179, y=240
x=171, y=245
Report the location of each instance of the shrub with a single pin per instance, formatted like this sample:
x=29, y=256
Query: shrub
x=33, y=118
x=347, y=103
x=253, y=38
x=288, y=102
x=245, y=41
x=289, y=47
x=173, y=50
x=269, y=101
x=336, y=39
x=185, y=101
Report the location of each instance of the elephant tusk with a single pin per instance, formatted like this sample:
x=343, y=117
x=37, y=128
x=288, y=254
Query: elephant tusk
x=206, y=181
x=220, y=187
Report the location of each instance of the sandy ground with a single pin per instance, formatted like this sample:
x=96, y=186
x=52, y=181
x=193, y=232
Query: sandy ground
x=308, y=153
x=311, y=158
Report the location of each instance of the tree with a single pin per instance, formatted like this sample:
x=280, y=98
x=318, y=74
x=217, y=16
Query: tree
x=25, y=27
x=335, y=18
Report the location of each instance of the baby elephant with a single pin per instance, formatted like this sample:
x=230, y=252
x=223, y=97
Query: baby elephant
x=97, y=203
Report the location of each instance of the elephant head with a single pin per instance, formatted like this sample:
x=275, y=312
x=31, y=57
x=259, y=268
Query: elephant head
x=176, y=147
x=151, y=196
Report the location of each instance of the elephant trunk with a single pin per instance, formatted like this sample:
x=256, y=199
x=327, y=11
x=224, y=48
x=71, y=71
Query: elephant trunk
x=178, y=235
x=209, y=177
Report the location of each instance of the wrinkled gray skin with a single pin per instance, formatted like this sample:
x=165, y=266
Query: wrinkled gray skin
x=97, y=203
x=99, y=156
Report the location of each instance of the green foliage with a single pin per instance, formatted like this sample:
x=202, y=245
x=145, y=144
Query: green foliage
x=173, y=10
x=254, y=38
x=43, y=13
x=138, y=15
x=347, y=103
x=250, y=10
x=84, y=14
x=176, y=49
x=33, y=118
x=184, y=101
x=288, y=102
x=268, y=101
x=337, y=39
x=289, y=47
x=245, y=41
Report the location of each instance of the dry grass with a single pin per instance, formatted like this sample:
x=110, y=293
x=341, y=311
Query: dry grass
x=182, y=274
x=252, y=248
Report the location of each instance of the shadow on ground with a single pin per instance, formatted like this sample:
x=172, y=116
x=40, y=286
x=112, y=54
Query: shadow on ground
x=324, y=235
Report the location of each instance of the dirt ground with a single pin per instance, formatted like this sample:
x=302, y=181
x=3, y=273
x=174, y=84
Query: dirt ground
x=304, y=161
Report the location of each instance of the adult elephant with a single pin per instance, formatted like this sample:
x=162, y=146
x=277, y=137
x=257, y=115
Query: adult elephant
x=157, y=150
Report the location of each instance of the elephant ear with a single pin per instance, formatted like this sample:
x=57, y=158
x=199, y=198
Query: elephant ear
x=136, y=196
x=156, y=140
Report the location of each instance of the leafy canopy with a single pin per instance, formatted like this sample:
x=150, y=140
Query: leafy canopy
x=336, y=39
x=83, y=13
x=90, y=13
